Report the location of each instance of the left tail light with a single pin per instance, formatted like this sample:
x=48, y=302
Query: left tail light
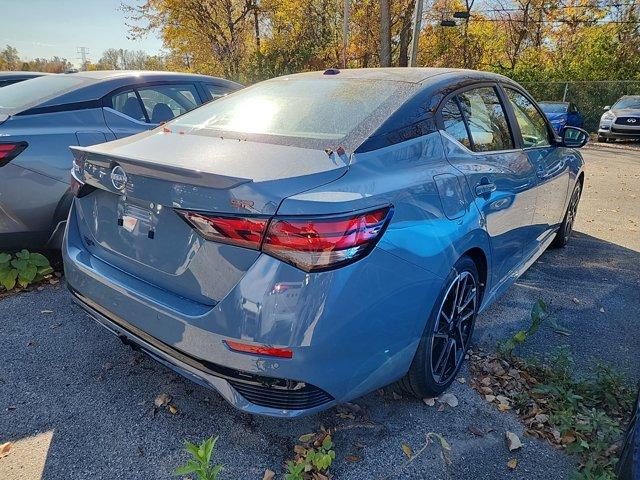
x=309, y=243
x=9, y=151
x=77, y=186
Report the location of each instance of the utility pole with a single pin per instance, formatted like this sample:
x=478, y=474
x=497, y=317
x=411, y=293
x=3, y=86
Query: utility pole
x=415, y=36
x=345, y=32
x=84, y=56
x=385, y=34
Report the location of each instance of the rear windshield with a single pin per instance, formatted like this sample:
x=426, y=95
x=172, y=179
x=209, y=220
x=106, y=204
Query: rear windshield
x=320, y=109
x=29, y=93
x=554, y=107
x=629, y=102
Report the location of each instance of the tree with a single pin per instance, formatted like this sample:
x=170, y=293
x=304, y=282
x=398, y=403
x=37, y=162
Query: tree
x=9, y=59
x=385, y=34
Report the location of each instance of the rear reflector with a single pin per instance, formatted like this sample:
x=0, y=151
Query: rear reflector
x=309, y=243
x=9, y=151
x=259, y=349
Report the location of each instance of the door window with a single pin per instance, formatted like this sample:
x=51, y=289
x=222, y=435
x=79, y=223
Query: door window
x=486, y=119
x=532, y=125
x=164, y=102
x=128, y=104
x=454, y=123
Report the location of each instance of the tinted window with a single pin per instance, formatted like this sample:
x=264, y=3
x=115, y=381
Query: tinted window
x=128, y=104
x=23, y=95
x=532, y=125
x=625, y=102
x=306, y=108
x=164, y=102
x=216, y=91
x=454, y=123
x=486, y=119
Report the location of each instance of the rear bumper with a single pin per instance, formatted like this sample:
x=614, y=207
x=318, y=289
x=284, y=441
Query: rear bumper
x=351, y=330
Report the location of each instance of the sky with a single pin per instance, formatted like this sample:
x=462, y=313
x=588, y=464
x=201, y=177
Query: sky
x=46, y=28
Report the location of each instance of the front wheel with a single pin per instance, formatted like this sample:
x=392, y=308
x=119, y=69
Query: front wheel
x=447, y=335
x=566, y=227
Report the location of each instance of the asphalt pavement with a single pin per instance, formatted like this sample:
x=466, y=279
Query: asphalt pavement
x=78, y=404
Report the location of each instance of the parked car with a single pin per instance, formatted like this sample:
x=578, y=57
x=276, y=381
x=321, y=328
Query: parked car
x=621, y=121
x=314, y=237
x=11, y=77
x=41, y=118
x=561, y=114
x=628, y=467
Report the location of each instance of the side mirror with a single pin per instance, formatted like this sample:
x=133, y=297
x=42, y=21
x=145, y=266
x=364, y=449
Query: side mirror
x=607, y=108
x=574, y=137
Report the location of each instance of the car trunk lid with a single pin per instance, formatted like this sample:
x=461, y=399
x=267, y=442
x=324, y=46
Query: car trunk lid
x=129, y=220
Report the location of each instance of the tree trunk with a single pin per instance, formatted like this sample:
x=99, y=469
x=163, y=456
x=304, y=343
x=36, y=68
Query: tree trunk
x=385, y=34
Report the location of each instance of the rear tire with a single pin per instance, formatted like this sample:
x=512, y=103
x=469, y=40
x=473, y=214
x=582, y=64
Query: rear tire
x=447, y=334
x=602, y=139
x=566, y=227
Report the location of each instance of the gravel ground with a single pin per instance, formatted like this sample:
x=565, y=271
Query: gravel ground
x=77, y=403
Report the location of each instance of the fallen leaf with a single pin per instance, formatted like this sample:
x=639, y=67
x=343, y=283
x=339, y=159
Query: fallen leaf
x=512, y=464
x=396, y=396
x=56, y=325
x=462, y=380
x=513, y=441
x=299, y=449
x=541, y=418
x=429, y=401
x=32, y=343
x=575, y=300
x=162, y=400
x=503, y=407
x=5, y=448
x=449, y=398
x=352, y=458
x=502, y=399
x=567, y=438
x=407, y=450
x=601, y=310
x=46, y=311
x=489, y=398
x=173, y=409
x=269, y=475
x=307, y=437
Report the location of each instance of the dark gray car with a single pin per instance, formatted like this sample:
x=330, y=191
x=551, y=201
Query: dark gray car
x=621, y=121
x=41, y=118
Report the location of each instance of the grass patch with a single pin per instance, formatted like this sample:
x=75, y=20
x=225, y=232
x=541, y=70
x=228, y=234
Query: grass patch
x=583, y=416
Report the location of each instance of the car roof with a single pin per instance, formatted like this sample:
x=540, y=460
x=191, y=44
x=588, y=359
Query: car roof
x=419, y=75
x=10, y=75
x=96, y=84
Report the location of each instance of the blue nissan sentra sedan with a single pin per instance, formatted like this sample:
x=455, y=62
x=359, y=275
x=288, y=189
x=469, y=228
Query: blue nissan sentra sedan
x=314, y=237
x=42, y=117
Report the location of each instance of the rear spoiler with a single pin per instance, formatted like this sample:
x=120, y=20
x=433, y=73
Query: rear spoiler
x=160, y=171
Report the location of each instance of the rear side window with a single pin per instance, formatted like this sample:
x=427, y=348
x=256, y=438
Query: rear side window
x=454, y=123
x=486, y=120
x=128, y=104
x=216, y=91
x=165, y=102
x=532, y=125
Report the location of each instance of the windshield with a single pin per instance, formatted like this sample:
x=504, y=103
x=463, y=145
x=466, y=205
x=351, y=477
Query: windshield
x=23, y=95
x=308, y=108
x=554, y=107
x=627, y=102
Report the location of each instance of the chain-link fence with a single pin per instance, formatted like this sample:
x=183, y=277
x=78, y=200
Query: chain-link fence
x=589, y=97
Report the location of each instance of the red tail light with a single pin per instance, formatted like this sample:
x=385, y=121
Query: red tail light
x=9, y=151
x=311, y=244
x=314, y=244
x=244, y=232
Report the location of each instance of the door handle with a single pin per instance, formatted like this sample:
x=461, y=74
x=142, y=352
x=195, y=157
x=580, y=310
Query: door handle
x=485, y=188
